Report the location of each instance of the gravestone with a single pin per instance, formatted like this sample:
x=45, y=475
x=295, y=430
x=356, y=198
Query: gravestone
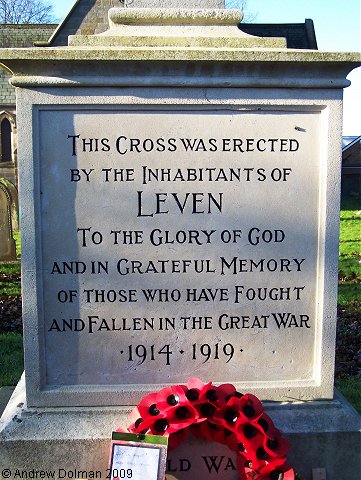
x=181, y=219
x=7, y=243
x=14, y=203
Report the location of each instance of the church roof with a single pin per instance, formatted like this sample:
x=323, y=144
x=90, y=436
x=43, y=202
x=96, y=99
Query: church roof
x=349, y=141
x=298, y=35
x=22, y=36
x=89, y=17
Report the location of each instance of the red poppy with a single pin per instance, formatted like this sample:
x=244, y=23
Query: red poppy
x=141, y=425
x=229, y=391
x=219, y=414
x=208, y=430
x=176, y=438
x=277, y=446
x=250, y=407
x=253, y=443
x=267, y=425
x=231, y=440
x=195, y=388
x=249, y=433
x=280, y=471
x=244, y=466
x=180, y=417
x=148, y=406
x=198, y=392
x=170, y=397
x=228, y=415
x=160, y=426
x=215, y=433
x=196, y=429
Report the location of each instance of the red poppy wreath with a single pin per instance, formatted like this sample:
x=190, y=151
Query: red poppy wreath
x=220, y=414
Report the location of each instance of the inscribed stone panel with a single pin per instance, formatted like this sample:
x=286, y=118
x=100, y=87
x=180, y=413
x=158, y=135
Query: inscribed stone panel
x=179, y=242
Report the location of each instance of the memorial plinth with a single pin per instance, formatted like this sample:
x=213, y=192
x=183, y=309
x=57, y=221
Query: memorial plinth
x=180, y=196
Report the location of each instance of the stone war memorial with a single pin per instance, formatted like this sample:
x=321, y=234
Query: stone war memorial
x=179, y=191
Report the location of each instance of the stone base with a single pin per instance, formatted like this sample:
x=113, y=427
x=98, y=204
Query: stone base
x=74, y=442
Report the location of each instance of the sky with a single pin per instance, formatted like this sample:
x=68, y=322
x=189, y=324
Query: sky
x=337, y=26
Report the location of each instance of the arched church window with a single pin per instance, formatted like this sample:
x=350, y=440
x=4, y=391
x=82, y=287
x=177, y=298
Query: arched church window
x=6, y=148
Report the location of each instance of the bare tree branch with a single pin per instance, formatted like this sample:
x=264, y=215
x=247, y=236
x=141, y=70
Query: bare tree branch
x=26, y=11
x=248, y=17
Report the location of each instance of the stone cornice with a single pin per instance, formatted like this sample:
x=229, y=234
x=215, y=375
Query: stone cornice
x=177, y=47
x=284, y=68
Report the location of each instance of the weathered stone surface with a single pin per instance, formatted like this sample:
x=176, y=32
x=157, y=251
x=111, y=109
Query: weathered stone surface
x=322, y=434
x=12, y=190
x=181, y=67
x=175, y=3
x=114, y=206
x=175, y=27
x=192, y=247
x=7, y=243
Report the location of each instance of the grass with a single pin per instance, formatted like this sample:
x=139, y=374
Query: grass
x=350, y=388
x=10, y=283
x=349, y=293
x=11, y=358
x=17, y=238
x=11, y=343
x=349, y=288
